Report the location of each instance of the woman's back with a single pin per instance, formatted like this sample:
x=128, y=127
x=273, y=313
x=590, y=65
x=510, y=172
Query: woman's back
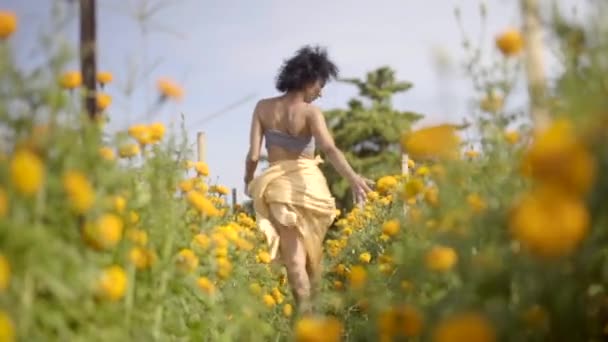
x=285, y=129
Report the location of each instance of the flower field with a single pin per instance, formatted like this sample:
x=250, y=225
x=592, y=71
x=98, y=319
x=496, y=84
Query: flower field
x=125, y=237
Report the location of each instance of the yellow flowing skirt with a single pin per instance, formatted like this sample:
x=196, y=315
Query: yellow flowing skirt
x=294, y=193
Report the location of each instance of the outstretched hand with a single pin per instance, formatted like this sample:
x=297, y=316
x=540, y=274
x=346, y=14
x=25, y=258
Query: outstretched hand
x=360, y=187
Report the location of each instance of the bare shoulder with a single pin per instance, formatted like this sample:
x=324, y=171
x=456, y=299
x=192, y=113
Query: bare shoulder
x=311, y=111
x=264, y=104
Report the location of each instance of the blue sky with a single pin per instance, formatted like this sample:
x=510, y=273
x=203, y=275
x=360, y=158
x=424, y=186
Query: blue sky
x=224, y=51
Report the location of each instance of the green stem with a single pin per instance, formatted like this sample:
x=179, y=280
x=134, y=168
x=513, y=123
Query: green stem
x=28, y=294
x=27, y=301
x=164, y=278
x=130, y=297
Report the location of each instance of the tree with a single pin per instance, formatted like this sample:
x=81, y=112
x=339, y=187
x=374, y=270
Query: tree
x=368, y=134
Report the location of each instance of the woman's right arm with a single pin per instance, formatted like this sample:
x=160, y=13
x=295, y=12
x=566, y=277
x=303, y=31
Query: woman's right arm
x=326, y=143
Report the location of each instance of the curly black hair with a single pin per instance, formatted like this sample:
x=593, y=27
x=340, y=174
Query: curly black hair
x=310, y=64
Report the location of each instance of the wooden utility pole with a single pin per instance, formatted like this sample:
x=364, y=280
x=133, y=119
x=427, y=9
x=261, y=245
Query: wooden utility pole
x=233, y=200
x=200, y=146
x=535, y=73
x=87, y=54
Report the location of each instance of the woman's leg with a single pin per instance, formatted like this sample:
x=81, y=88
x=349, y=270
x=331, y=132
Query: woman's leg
x=293, y=255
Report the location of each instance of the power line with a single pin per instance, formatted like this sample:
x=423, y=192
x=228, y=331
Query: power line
x=224, y=110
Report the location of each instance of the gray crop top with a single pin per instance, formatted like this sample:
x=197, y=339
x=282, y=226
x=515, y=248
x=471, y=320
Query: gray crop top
x=289, y=142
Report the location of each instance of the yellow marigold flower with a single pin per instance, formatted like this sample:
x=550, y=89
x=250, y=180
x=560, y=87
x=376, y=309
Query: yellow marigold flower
x=157, y=131
x=8, y=24
x=112, y=283
x=201, y=168
x=141, y=133
x=244, y=245
x=431, y=196
x=287, y=310
x=492, y=102
x=3, y=204
x=186, y=185
x=438, y=171
x=219, y=189
x=386, y=200
x=318, y=329
x=202, y=241
x=202, y=203
x=411, y=163
x=141, y=257
x=70, y=79
x=406, y=285
x=373, y=196
x=218, y=201
x=468, y=326
x=220, y=239
x=5, y=273
x=245, y=221
x=549, y=222
x=512, y=137
x=104, y=77
x=471, y=153
x=365, y=257
x=385, y=259
x=423, y=171
x=536, y=317
x=400, y=321
x=476, y=203
x=269, y=301
x=386, y=269
x=413, y=187
x=558, y=156
x=128, y=150
x=414, y=214
x=107, y=153
x=170, y=89
x=137, y=236
x=510, y=42
x=357, y=277
x=133, y=217
x=341, y=269
x=79, y=190
x=221, y=252
x=263, y=257
x=119, y=203
x=255, y=288
x=187, y=261
x=347, y=231
x=27, y=172
x=440, y=258
x=200, y=185
x=386, y=184
x=206, y=285
x=277, y=295
x=282, y=279
x=103, y=100
x=391, y=227
x=7, y=327
x=438, y=141
x=362, y=305
x=188, y=164
x=104, y=233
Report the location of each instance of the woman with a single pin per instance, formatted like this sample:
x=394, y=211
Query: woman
x=293, y=205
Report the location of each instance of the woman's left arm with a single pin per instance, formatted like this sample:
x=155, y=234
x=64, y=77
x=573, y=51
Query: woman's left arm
x=255, y=145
